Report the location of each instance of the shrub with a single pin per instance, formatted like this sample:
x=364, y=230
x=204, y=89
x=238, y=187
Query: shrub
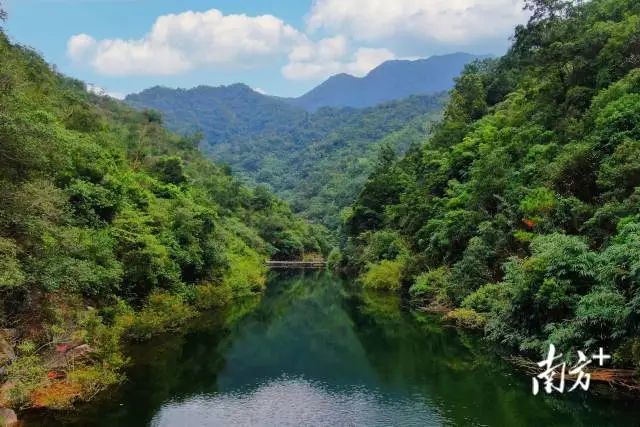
x=92, y=380
x=170, y=170
x=383, y=245
x=466, y=318
x=247, y=269
x=629, y=353
x=539, y=201
x=211, y=296
x=486, y=298
x=11, y=274
x=103, y=339
x=163, y=312
x=386, y=275
x=25, y=374
x=473, y=270
x=334, y=259
x=431, y=286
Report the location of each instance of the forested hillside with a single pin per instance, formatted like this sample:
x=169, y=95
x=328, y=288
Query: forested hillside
x=316, y=161
x=222, y=114
x=522, y=210
x=111, y=227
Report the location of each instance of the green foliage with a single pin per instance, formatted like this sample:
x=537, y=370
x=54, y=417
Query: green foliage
x=527, y=190
x=334, y=260
x=317, y=161
x=539, y=201
x=473, y=270
x=211, y=296
x=384, y=245
x=11, y=274
x=385, y=275
x=170, y=170
x=161, y=313
x=487, y=299
x=103, y=207
x=92, y=380
x=466, y=318
x=25, y=374
x=432, y=286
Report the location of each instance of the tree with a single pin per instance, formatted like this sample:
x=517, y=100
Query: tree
x=547, y=9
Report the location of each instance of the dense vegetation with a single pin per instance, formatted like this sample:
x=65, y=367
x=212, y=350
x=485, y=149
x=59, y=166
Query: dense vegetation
x=111, y=227
x=522, y=210
x=318, y=162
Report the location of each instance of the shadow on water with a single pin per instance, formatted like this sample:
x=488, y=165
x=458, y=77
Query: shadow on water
x=316, y=351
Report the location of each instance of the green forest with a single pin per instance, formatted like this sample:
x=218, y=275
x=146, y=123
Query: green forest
x=113, y=228
x=510, y=206
x=317, y=161
x=520, y=215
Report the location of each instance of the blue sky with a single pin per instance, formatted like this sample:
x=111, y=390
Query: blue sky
x=281, y=47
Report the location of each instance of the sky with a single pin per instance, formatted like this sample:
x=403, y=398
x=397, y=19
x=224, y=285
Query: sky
x=279, y=47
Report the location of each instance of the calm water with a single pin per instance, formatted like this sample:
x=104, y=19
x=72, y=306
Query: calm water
x=313, y=351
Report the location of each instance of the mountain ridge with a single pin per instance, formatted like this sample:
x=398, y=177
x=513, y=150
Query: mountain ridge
x=392, y=80
x=389, y=81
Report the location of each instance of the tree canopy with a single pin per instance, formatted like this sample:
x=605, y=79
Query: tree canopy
x=522, y=207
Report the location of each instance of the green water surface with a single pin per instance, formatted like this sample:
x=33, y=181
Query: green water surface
x=317, y=351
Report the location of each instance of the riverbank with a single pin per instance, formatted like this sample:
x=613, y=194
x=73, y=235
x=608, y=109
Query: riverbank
x=621, y=383
x=85, y=357
x=315, y=350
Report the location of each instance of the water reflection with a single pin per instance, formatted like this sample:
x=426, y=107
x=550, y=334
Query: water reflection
x=314, y=351
x=297, y=401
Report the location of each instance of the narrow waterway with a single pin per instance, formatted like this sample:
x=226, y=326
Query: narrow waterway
x=316, y=351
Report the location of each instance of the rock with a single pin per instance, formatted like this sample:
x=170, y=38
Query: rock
x=55, y=361
x=7, y=355
x=64, y=354
x=8, y=418
x=78, y=352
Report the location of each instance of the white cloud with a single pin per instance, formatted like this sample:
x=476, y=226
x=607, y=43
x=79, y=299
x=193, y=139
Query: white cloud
x=317, y=60
x=324, y=50
x=366, y=59
x=178, y=43
x=441, y=21
x=100, y=91
x=81, y=46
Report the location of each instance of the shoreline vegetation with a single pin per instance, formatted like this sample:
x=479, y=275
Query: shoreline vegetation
x=519, y=215
x=112, y=229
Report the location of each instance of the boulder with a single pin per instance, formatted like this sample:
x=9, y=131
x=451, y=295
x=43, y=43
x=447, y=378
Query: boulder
x=78, y=352
x=8, y=418
x=64, y=354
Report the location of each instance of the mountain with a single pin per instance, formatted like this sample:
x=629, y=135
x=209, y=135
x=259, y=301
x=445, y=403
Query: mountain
x=315, y=160
x=389, y=81
x=315, y=150
x=221, y=112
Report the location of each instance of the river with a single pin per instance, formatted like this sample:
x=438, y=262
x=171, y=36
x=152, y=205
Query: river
x=315, y=350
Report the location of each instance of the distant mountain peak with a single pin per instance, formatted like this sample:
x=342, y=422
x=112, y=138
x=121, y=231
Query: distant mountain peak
x=389, y=81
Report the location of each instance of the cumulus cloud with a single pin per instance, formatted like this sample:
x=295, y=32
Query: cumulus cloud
x=100, y=91
x=316, y=60
x=181, y=42
x=443, y=21
x=80, y=46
